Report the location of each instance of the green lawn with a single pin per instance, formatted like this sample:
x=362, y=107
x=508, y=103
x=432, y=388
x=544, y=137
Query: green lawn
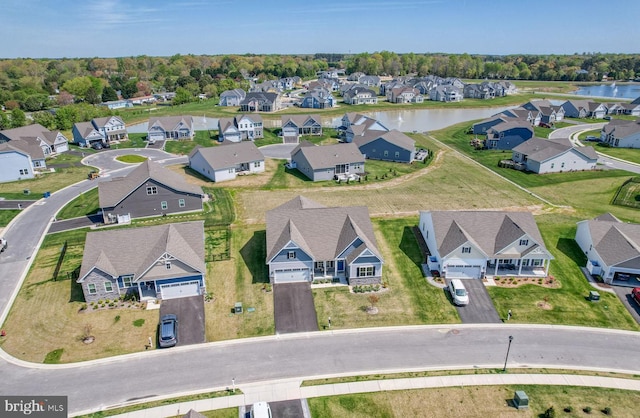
x=49, y=182
x=83, y=205
x=627, y=154
x=6, y=215
x=135, y=141
x=629, y=194
x=202, y=138
x=131, y=159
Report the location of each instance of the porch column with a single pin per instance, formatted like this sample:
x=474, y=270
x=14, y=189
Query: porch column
x=546, y=268
x=495, y=273
x=520, y=267
x=139, y=291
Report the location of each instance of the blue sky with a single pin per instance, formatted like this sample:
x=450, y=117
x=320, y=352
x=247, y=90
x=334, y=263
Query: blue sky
x=113, y=28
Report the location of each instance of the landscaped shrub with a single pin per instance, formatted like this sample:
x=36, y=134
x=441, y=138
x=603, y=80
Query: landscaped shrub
x=138, y=322
x=116, y=319
x=568, y=409
x=587, y=409
x=606, y=411
x=550, y=413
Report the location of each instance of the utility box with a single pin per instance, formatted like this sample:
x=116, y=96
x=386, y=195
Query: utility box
x=521, y=400
x=594, y=296
x=237, y=309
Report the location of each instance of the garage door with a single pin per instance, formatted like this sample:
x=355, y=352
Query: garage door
x=180, y=290
x=292, y=275
x=463, y=272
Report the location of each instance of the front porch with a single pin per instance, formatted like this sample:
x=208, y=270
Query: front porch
x=147, y=291
x=326, y=270
x=537, y=267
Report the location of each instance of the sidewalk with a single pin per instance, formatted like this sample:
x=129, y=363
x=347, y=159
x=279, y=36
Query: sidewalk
x=290, y=389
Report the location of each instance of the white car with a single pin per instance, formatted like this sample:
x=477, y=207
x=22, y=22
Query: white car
x=260, y=410
x=459, y=294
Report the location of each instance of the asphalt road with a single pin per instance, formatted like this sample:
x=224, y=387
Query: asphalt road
x=374, y=350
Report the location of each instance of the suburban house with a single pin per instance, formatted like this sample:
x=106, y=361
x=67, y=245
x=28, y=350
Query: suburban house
x=480, y=128
x=359, y=95
x=240, y=128
x=478, y=91
x=549, y=114
x=612, y=248
x=307, y=241
x=355, y=124
x=621, y=133
x=153, y=262
x=553, y=156
x=260, y=102
x=232, y=97
x=445, y=93
x=388, y=146
x=630, y=109
x=103, y=130
x=344, y=161
x=117, y=104
x=475, y=244
x=318, y=98
x=148, y=190
x=534, y=117
x=51, y=142
x=19, y=159
x=170, y=127
x=227, y=161
x=584, y=109
x=404, y=94
x=293, y=126
x=508, y=135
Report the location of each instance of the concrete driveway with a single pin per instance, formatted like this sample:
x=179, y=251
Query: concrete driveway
x=480, y=309
x=293, y=308
x=278, y=151
x=190, y=313
x=624, y=294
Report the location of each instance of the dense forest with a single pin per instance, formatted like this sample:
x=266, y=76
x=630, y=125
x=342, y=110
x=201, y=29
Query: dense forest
x=73, y=85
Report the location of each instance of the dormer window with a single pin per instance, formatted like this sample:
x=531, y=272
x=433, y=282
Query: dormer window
x=524, y=242
x=167, y=265
x=291, y=255
x=466, y=250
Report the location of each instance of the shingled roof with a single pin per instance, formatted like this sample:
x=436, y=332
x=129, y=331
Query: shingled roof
x=322, y=232
x=111, y=251
x=229, y=154
x=617, y=243
x=326, y=156
x=110, y=193
x=540, y=149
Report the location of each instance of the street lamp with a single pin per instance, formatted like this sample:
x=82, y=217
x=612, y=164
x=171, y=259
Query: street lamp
x=504, y=369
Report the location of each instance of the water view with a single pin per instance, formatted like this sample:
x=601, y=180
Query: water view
x=623, y=91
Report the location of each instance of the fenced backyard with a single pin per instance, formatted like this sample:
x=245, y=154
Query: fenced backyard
x=628, y=194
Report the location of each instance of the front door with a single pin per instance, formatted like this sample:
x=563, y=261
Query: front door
x=340, y=265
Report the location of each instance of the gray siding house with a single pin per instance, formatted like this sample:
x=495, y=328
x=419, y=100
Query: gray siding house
x=327, y=162
x=508, y=135
x=307, y=241
x=293, y=126
x=232, y=97
x=155, y=262
x=170, y=127
x=227, y=161
x=149, y=190
x=51, y=142
x=15, y=162
x=388, y=146
x=260, y=102
x=240, y=128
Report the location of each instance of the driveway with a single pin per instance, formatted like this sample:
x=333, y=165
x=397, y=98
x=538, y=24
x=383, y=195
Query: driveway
x=16, y=204
x=295, y=408
x=278, y=151
x=190, y=313
x=480, y=309
x=75, y=223
x=293, y=308
x=624, y=294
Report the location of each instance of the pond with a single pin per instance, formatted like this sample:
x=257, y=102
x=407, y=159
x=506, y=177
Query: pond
x=613, y=90
x=419, y=120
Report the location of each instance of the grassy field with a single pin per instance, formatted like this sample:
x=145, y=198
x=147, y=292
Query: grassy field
x=628, y=154
x=478, y=401
x=6, y=215
x=202, y=138
x=83, y=205
x=49, y=182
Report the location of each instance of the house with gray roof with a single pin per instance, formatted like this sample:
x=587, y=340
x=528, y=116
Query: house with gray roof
x=318, y=98
x=446, y=93
x=508, y=134
x=621, y=133
x=261, y=102
x=294, y=126
x=541, y=156
x=232, y=97
x=102, y=130
x=51, y=142
x=532, y=116
x=612, y=248
x=387, y=146
x=475, y=244
x=148, y=190
x=171, y=127
x=20, y=159
x=404, y=94
x=153, y=262
x=227, y=161
x=360, y=95
x=328, y=161
x=584, y=109
x=247, y=127
x=307, y=241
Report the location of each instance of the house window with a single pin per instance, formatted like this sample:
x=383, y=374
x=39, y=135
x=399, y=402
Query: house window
x=232, y=170
x=257, y=164
x=397, y=154
x=24, y=172
x=319, y=265
x=126, y=281
x=163, y=204
x=552, y=165
x=108, y=287
x=524, y=242
x=562, y=165
x=466, y=250
x=152, y=190
x=181, y=203
x=366, y=271
x=291, y=255
x=91, y=288
x=386, y=153
x=167, y=265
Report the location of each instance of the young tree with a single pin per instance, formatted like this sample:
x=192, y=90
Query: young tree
x=18, y=118
x=45, y=119
x=5, y=123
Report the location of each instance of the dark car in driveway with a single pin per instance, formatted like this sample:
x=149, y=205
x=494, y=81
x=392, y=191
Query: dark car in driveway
x=168, y=335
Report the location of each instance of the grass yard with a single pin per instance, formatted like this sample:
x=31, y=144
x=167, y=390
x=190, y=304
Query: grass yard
x=49, y=182
x=83, y=205
x=46, y=321
x=628, y=154
x=408, y=299
x=568, y=304
x=628, y=194
x=131, y=159
x=184, y=147
x=135, y=141
x=6, y=215
x=242, y=278
x=476, y=401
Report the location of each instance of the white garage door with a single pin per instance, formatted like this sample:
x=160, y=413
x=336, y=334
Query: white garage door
x=180, y=290
x=292, y=275
x=463, y=272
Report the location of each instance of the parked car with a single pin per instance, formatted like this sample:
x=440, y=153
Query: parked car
x=96, y=146
x=458, y=292
x=260, y=410
x=635, y=294
x=168, y=335
x=607, y=118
